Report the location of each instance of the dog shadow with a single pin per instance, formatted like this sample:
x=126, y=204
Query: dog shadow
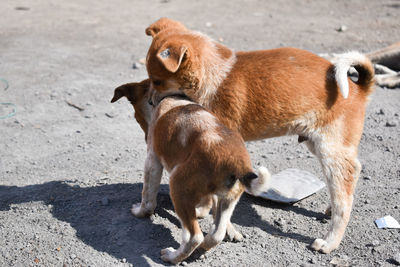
x=101, y=216
x=245, y=207
x=102, y=219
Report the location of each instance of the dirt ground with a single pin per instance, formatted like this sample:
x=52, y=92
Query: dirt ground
x=70, y=172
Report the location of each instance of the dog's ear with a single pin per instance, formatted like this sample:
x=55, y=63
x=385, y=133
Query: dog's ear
x=172, y=57
x=133, y=91
x=119, y=92
x=164, y=24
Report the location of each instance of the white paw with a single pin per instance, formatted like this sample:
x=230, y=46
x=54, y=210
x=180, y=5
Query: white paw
x=139, y=211
x=168, y=255
x=233, y=235
x=322, y=246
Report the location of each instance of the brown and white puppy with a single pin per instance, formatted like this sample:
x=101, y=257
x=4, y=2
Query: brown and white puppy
x=204, y=159
x=271, y=93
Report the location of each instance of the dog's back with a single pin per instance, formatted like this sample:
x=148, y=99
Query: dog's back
x=185, y=134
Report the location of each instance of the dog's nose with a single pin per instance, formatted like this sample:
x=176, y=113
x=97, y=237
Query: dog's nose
x=150, y=102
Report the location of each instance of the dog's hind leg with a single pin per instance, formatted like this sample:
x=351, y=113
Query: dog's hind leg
x=184, y=200
x=341, y=168
x=152, y=178
x=222, y=218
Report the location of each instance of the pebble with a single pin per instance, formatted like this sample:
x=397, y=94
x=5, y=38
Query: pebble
x=396, y=259
x=391, y=124
x=367, y=178
x=142, y=61
x=380, y=112
x=342, y=261
x=110, y=114
x=342, y=28
x=280, y=222
x=184, y=263
x=379, y=137
x=136, y=65
x=73, y=256
x=123, y=260
x=375, y=243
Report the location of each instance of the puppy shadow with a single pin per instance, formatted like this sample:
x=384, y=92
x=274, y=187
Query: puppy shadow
x=246, y=215
x=101, y=216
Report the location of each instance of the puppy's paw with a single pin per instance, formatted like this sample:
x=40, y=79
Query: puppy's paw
x=322, y=246
x=139, y=211
x=233, y=235
x=168, y=255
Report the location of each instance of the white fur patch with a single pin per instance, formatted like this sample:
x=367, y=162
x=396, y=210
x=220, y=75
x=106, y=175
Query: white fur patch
x=214, y=70
x=261, y=184
x=342, y=63
x=201, y=121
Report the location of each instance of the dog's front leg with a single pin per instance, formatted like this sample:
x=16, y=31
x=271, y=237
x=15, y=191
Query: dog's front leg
x=152, y=178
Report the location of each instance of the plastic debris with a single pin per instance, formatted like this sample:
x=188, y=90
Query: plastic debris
x=387, y=222
x=292, y=185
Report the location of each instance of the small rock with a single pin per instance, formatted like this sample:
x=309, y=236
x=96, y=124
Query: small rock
x=396, y=259
x=73, y=256
x=379, y=137
x=142, y=61
x=380, y=112
x=208, y=24
x=105, y=201
x=342, y=261
x=280, y=222
x=110, y=114
x=342, y=28
x=367, y=178
x=375, y=243
x=136, y=65
x=123, y=260
x=184, y=263
x=391, y=124
x=22, y=8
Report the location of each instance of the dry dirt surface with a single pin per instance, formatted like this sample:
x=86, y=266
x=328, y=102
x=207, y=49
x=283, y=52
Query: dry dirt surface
x=71, y=163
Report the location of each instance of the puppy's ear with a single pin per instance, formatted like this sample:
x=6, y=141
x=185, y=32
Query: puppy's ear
x=119, y=92
x=172, y=57
x=133, y=91
x=164, y=24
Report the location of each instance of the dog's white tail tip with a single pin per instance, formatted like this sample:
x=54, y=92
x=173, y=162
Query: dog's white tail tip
x=260, y=184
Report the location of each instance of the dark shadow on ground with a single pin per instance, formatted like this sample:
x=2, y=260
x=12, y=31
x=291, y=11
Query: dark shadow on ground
x=246, y=215
x=101, y=216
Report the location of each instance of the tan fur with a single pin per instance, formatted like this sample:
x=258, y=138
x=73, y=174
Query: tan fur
x=271, y=93
x=205, y=159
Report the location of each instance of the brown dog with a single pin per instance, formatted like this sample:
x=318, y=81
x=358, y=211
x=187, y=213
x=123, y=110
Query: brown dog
x=204, y=159
x=270, y=93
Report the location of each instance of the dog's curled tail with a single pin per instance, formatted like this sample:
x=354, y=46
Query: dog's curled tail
x=361, y=63
x=257, y=184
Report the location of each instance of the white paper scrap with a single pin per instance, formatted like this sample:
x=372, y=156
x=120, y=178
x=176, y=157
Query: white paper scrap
x=387, y=222
x=292, y=185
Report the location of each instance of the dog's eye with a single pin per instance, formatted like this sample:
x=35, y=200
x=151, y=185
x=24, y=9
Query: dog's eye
x=157, y=82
